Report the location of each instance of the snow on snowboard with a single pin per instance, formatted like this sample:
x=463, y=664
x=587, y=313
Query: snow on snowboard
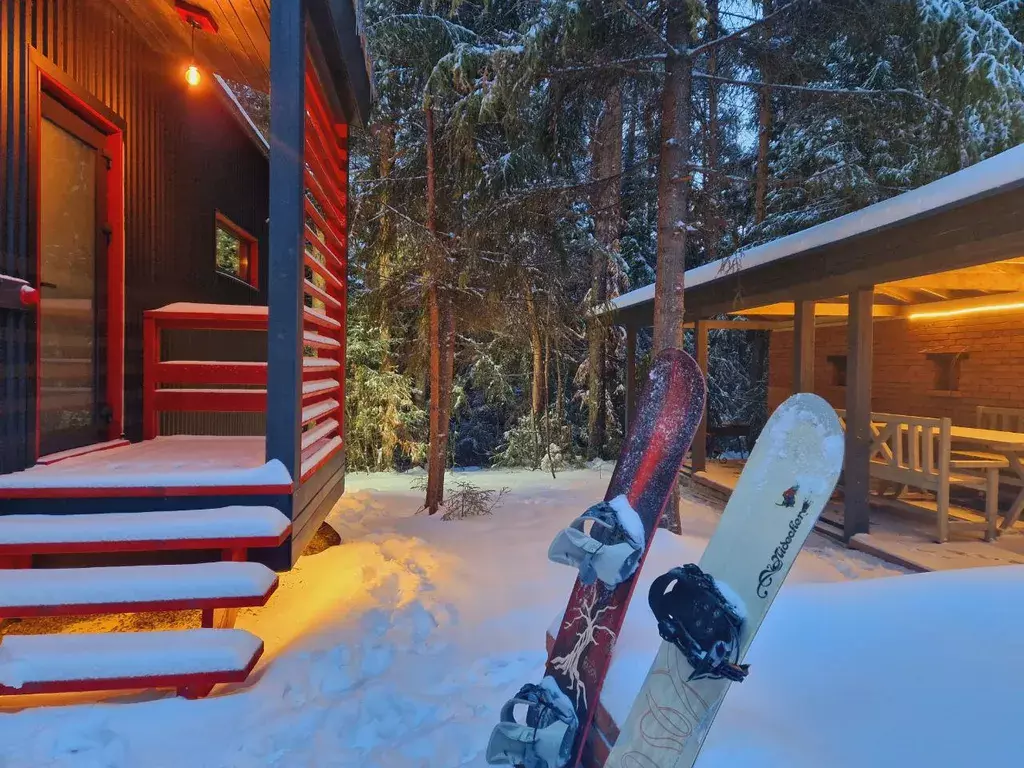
x=709, y=614
x=607, y=544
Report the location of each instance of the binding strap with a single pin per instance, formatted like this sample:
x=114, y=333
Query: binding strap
x=612, y=549
x=545, y=740
x=696, y=618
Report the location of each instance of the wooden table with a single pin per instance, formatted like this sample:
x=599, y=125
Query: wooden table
x=1008, y=444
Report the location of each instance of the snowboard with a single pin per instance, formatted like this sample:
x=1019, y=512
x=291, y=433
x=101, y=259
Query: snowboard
x=668, y=412
x=784, y=486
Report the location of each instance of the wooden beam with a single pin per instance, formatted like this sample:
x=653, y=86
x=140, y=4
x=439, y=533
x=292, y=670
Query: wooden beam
x=1001, y=302
x=857, y=463
x=699, y=449
x=745, y=325
x=287, y=224
x=630, y=374
x=821, y=309
x=803, y=347
x=989, y=277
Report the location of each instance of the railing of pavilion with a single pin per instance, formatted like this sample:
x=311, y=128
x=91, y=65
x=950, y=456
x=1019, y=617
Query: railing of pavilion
x=325, y=268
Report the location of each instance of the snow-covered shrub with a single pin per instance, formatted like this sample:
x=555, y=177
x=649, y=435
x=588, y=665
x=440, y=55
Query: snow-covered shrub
x=463, y=499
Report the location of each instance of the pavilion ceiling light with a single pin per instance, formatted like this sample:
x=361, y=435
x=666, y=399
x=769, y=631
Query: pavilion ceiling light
x=976, y=310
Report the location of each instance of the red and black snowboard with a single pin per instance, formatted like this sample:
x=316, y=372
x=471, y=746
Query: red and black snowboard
x=668, y=414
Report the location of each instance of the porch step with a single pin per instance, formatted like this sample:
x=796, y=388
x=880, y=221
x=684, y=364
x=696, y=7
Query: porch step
x=82, y=591
x=226, y=527
x=190, y=660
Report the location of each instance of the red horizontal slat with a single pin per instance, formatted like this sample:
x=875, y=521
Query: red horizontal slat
x=211, y=400
x=323, y=271
x=320, y=456
x=319, y=341
x=319, y=410
x=319, y=432
x=325, y=250
x=320, y=387
x=317, y=190
x=319, y=293
x=325, y=226
x=316, y=317
x=210, y=372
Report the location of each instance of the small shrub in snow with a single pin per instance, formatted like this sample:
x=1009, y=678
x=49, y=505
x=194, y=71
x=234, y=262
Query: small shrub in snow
x=466, y=500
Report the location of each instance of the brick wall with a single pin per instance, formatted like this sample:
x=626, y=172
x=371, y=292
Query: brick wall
x=904, y=377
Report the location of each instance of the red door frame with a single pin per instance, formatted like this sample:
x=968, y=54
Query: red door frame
x=44, y=76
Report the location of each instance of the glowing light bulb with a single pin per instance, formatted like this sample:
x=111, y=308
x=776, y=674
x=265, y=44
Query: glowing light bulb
x=192, y=75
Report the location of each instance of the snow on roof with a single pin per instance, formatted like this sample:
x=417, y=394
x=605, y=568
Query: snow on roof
x=1001, y=170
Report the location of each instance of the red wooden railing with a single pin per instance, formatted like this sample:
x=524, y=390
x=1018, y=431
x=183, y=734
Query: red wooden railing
x=215, y=379
x=326, y=268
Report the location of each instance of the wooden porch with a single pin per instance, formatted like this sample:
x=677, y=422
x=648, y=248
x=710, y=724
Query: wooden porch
x=137, y=516
x=902, y=532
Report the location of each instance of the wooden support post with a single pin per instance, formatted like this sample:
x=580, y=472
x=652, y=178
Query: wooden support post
x=857, y=464
x=630, y=375
x=699, y=450
x=287, y=224
x=803, y=347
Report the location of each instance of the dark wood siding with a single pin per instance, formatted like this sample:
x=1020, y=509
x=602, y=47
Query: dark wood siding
x=185, y=158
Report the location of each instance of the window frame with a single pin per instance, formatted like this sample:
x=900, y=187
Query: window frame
x=249, y=250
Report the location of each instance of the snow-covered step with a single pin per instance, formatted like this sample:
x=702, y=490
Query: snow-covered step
x=224, y=527
x=81, y=591
x=190, y=660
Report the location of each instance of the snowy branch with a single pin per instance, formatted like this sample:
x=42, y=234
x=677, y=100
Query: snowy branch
x=651, y=29
x=756, y=84
x=699, y=49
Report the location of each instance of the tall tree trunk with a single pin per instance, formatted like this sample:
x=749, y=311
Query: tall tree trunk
x=673, y=202
x=760, y=339
x=606, y=173
x=537, y=348
x=440, y=322
x=673, y=184
x=539, y=380
x=713, y=224
x=764, y=123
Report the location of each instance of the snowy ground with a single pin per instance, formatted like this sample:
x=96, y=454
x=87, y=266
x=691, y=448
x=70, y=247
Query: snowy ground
x=397, y=648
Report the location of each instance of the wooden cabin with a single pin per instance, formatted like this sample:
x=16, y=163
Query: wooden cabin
x=172, y=296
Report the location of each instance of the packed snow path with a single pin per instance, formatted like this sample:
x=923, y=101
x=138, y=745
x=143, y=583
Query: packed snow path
x=397, y=648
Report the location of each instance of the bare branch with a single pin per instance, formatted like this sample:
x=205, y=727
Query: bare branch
x=651, y=29
x=699, y=49
x=875, y=92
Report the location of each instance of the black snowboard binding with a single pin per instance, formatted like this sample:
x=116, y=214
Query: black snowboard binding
x=696, y=618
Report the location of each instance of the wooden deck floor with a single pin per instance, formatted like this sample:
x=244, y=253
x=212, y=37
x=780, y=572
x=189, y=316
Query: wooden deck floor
x=902, y=532
x=176, y=462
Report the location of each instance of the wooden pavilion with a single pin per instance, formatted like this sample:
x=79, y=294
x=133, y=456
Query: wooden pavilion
x=907, y=316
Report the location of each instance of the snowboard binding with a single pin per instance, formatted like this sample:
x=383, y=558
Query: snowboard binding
x=700, y=621
x=610, y=552
x=545, y=740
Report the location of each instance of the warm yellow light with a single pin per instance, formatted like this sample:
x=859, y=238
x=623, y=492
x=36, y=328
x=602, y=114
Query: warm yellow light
x=967, y=310
x=192, y=75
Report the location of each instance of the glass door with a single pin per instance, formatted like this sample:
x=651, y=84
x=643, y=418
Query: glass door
x=72, y=258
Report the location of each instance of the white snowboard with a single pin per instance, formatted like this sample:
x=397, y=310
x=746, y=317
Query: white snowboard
x=752, y=550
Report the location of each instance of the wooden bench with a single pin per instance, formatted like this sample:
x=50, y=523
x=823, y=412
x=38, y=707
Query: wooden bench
x=191, y=661
x=916, y=451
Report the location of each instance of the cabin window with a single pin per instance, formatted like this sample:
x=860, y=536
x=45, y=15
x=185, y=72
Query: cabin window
x=236, y=251
x=836, y=370
x=946, y=370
